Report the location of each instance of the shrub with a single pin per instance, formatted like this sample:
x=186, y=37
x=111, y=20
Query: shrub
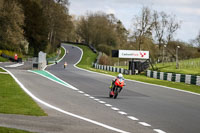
x=105, y=49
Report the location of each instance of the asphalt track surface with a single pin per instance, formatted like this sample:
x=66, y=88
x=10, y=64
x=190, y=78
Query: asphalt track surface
x=164, y=109
x=169, y=110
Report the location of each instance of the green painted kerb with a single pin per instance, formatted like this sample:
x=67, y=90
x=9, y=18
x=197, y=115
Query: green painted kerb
x=46, y=74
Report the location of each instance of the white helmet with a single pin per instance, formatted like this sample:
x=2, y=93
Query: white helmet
x=120, y=75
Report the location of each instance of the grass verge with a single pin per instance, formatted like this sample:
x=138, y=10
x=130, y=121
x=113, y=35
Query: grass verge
x=54, y=55
x=90, y=57
x=13, y=100
x=11, y=130
x=191, y=66
x=1, y=70
x=3, y=59
x=62, y=53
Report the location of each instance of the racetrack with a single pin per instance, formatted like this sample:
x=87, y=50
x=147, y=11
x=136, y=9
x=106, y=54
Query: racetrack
x=152, y=108
x=169, y=110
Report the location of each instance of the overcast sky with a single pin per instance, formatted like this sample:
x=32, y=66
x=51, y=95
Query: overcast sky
x=187, y=11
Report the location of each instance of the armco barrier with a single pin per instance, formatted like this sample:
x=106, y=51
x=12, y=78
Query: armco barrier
x=111, y=68
x=188, y=79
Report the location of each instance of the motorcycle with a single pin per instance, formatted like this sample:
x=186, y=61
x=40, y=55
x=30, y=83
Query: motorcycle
x=118, y=85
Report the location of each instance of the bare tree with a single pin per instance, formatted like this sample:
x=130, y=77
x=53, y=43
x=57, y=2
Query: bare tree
x=160, y=21
x=196, y=41
x=173, y=26
x=143, y=26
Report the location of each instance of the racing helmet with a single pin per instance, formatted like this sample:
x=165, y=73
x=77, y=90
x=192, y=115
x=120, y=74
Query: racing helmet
x=120, y=76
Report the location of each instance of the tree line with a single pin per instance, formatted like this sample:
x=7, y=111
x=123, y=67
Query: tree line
x=30, y=26
x=34, y=25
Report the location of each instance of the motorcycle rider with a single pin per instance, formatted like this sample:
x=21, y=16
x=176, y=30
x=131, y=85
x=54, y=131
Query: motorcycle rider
x=119, y=76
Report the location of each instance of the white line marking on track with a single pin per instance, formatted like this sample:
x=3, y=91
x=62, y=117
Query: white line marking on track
x=130, y=117
x=58, y=60
x=63, y=111
x=87, y=95
x=66, y=84
x=81, y=92
x=113, y=108
x=121, y=112
x=102, y=102
x=144, y=124
x=133, y=118
x=15, y=65
x=97, y=99
x=131, y=79
x=108, y=105
x=70, y=86
x=159, y=131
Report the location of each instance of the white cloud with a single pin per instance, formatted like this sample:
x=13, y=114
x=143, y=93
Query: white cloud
x=187, y=11
x=109, y=10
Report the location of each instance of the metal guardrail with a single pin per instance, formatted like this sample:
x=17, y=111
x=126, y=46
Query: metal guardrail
x=188, y=79
x=111, y=68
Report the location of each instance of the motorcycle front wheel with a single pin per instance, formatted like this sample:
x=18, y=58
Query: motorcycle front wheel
x=110, y=95
x=116, y=93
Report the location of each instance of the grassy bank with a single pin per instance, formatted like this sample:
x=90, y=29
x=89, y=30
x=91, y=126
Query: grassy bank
x=13, y=100
x=11, y=130
x=53, y=57
x=62, y=53
x=191, y=66
x=90, y=57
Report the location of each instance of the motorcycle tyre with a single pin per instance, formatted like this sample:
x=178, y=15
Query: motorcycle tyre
x=116, y=93
x=110, y=95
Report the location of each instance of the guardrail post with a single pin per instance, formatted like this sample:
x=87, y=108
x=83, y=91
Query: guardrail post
x=158, y=75
x=182, y=78
x=173, y=77
x=193, y=79
x=148, y=73
x=188, y=79
x=162, y=75
x=178, y=78
x=151, y=75
x=165, y=76
x=122, y=70
x=169, y=76
x=155, y=74
x=198, y=81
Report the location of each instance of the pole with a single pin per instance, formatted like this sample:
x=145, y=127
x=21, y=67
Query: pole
x=177, y=63
x=163, y=54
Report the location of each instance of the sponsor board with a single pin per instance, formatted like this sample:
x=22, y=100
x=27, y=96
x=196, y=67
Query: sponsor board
x=134, y=54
